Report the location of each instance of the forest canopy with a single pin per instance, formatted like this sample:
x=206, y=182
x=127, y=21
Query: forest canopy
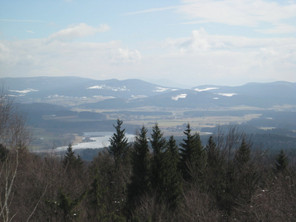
x=152, y=179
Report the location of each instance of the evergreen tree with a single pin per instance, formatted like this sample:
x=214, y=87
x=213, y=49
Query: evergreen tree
x=140, y=164
x=173, y=152
x=70, y=161
x=193, y=157
x=185, y=152
x=241, y=180
x=157, y=141
x=213, y=153
x=120, y=171
x=215, y=171
x=69, y=156
x=67, y=206
x=158, y=144
x=281, y=161
x=242, y=155
x=118, y=144
x=97, y=208
x=172, y=180
x=3, y=153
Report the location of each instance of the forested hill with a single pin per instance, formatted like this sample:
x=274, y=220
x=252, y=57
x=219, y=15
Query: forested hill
x=106, y=94
x=153, y=179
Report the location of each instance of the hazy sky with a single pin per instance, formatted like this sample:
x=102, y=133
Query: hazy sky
x=190, y=42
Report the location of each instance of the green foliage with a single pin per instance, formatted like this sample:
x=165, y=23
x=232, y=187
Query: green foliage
x=118, y=144
x=213, y=153
x=71, y=161
x=193, y=157
x=215, y=170
x=96, y=200
x=219, y=187
x=172, y=179
x=140, y=181
x=158, y=144
x=115, y=173
x=242, y=155
x=241, y=179
x=3, y=153
x=67, y=206
x=165, y=177
x=281, y=161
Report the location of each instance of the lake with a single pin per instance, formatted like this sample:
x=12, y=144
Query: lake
x=95, y=140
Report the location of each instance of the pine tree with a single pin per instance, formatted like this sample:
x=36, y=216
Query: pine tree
x=97, y=208
x=213, y=154
x=172, y=180
x=186, y=149
x=118, y=144
x=70, y=161
x=242, y=155
x=3, y=153
x=158, y=144
x=69, y=156
x=281, y=161
x=140, y=164
x=157, y=141
x=193, y=157
x=120, y=173
x=242, y=178
x=215, y=171
x=68, y=206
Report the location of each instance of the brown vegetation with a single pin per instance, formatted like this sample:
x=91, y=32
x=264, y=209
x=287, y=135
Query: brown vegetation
x=223, y=181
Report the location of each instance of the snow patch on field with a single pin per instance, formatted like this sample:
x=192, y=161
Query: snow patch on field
x=205, y=89
x=115, y=89
x=227, y=94
x=180, y=96
x=25, y=91
x=138, y=96
x=160, y=89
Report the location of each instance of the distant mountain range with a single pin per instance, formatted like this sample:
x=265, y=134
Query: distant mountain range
x=133, y=93
x=57, y=109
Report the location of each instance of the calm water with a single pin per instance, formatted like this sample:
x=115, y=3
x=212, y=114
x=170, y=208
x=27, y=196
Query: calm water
x=95, y=140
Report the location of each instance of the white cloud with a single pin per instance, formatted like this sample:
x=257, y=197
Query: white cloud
x=251, y=13
x=77, y=31
x=127, y=55
x=151, y=10
x=55, y=56
x=201, y=41
x=269, y=17
x=279, y=29
x=206, y=58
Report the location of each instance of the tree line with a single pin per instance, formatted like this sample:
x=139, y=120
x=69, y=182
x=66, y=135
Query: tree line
x=151, y=179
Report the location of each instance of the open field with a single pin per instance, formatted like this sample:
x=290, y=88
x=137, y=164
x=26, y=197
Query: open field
x=53, y=128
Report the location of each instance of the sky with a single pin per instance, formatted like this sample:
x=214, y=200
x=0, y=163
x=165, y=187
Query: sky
x=171, y=42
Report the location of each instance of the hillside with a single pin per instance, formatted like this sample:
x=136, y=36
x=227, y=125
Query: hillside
x=132, y=93
x=60, y=108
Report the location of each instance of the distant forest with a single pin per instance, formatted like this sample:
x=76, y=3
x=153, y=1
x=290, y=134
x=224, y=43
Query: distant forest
x=152, y=179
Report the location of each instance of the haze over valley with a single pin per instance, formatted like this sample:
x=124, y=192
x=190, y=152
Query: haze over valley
x=62, y=109
x=163, y=111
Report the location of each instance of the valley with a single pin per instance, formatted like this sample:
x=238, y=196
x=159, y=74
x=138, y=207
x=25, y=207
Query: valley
x=59, y=110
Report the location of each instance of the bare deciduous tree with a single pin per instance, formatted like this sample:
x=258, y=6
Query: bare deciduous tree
x=13, y=136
